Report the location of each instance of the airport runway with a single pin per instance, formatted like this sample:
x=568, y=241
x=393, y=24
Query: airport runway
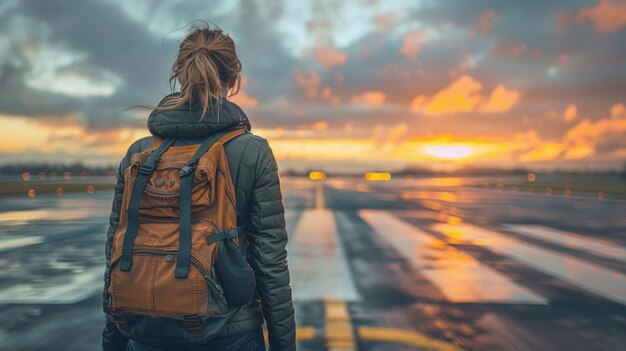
x=422, y=264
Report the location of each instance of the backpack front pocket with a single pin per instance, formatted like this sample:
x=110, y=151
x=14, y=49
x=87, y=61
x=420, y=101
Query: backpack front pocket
x=150, y=286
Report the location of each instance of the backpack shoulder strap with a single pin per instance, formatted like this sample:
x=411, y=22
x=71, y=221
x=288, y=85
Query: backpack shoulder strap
x=139, y=185
x=186, y=180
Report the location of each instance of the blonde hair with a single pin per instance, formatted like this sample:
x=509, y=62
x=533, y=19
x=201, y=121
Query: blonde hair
x=205, y=67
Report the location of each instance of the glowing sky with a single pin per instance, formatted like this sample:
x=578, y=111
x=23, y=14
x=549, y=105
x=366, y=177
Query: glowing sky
x=341, y=85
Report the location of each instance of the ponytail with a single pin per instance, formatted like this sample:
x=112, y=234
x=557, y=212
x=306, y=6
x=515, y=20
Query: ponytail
x=206, y=68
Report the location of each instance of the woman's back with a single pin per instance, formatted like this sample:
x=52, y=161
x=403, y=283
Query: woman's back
x=259, y=207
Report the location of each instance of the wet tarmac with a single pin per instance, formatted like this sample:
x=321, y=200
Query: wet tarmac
x=425, y=264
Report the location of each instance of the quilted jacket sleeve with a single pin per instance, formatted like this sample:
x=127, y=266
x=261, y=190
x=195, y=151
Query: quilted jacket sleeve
x=112, y=339
x=267, y=254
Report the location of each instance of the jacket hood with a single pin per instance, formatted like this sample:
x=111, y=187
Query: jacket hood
x=185, y=122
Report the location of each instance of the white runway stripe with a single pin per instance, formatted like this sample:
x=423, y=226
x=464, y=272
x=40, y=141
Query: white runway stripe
x=317, y=263
x=571, y=240
x=61, y=289
x=586, y=275
x=12, y=243
x=459, y=276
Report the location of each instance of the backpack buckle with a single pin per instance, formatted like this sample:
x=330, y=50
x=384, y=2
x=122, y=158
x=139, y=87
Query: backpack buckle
x=146, y=168
x=186, y=170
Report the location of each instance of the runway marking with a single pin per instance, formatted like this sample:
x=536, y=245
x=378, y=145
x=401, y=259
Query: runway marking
x=586, y=275
x=571, y=240
x=338, y=326
x=12, y=243
x=320, y=201
x=317, y=262
x=460, y=277
x=302, y=334
x=75, y=287
x=407, y=337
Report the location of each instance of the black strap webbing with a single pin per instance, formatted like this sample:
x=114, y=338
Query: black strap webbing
x=186, y=183
x=224, y=235
x=145, y=170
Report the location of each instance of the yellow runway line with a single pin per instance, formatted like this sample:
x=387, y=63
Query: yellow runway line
x=406, y=337
x=302, y=334
x=338, y=328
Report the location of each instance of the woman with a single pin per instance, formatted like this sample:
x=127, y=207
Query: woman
x=208, y=71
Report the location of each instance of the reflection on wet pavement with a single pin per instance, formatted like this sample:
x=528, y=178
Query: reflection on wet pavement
x=419, y=264
x=458, y=275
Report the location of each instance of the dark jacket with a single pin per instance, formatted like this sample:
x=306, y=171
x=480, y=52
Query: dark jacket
x=259, y=205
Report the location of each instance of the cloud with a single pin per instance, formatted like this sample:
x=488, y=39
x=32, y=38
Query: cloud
x=309, y=80
x=606, y=16
x=329, y=56
x=412, y=43
x=485, y=20
x=242, y=98
x=570, y=113
x=369, y=98
x=504, y=49
x=464, y=95
x=500, y=100
x=604, y=135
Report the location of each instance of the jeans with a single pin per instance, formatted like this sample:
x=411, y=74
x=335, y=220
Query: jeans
x=250, y=341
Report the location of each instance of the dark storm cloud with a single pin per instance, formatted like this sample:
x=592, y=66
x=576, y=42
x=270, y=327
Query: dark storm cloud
x=115, y=43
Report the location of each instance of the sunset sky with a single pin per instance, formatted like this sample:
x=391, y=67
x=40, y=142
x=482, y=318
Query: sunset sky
x=336, y=85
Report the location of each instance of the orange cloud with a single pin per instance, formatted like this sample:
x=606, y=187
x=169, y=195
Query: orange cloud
x=369, y=98
x=329, y=56
x=486, y=20
x=570, y=113
x=583, y=139
x=411, y=44
x=327, y=93
x=463, y=95
x=606, y=16
x=500, y=100
x=385, y=21
x=242, y=98
x=309, y=80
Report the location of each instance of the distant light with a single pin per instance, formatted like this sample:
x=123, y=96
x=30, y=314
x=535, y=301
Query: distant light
x=601, y=195
x=548, y=191
x=567, y=192
x=26, y=176
x=110, y=174
x=42, y=175
x=67, y=175
x=531, y=177
x=83, y=175
x=59, y=191
x=31, y=193
x=317, y=175
x=374, y=176
x=90, y=189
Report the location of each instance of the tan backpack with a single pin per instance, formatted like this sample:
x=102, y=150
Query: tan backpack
x=176, y=273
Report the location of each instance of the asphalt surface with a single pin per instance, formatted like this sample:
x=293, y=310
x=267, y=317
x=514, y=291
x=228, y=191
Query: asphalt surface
x=424, y=264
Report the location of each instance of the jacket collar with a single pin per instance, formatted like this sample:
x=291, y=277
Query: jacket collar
x=185, y=122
